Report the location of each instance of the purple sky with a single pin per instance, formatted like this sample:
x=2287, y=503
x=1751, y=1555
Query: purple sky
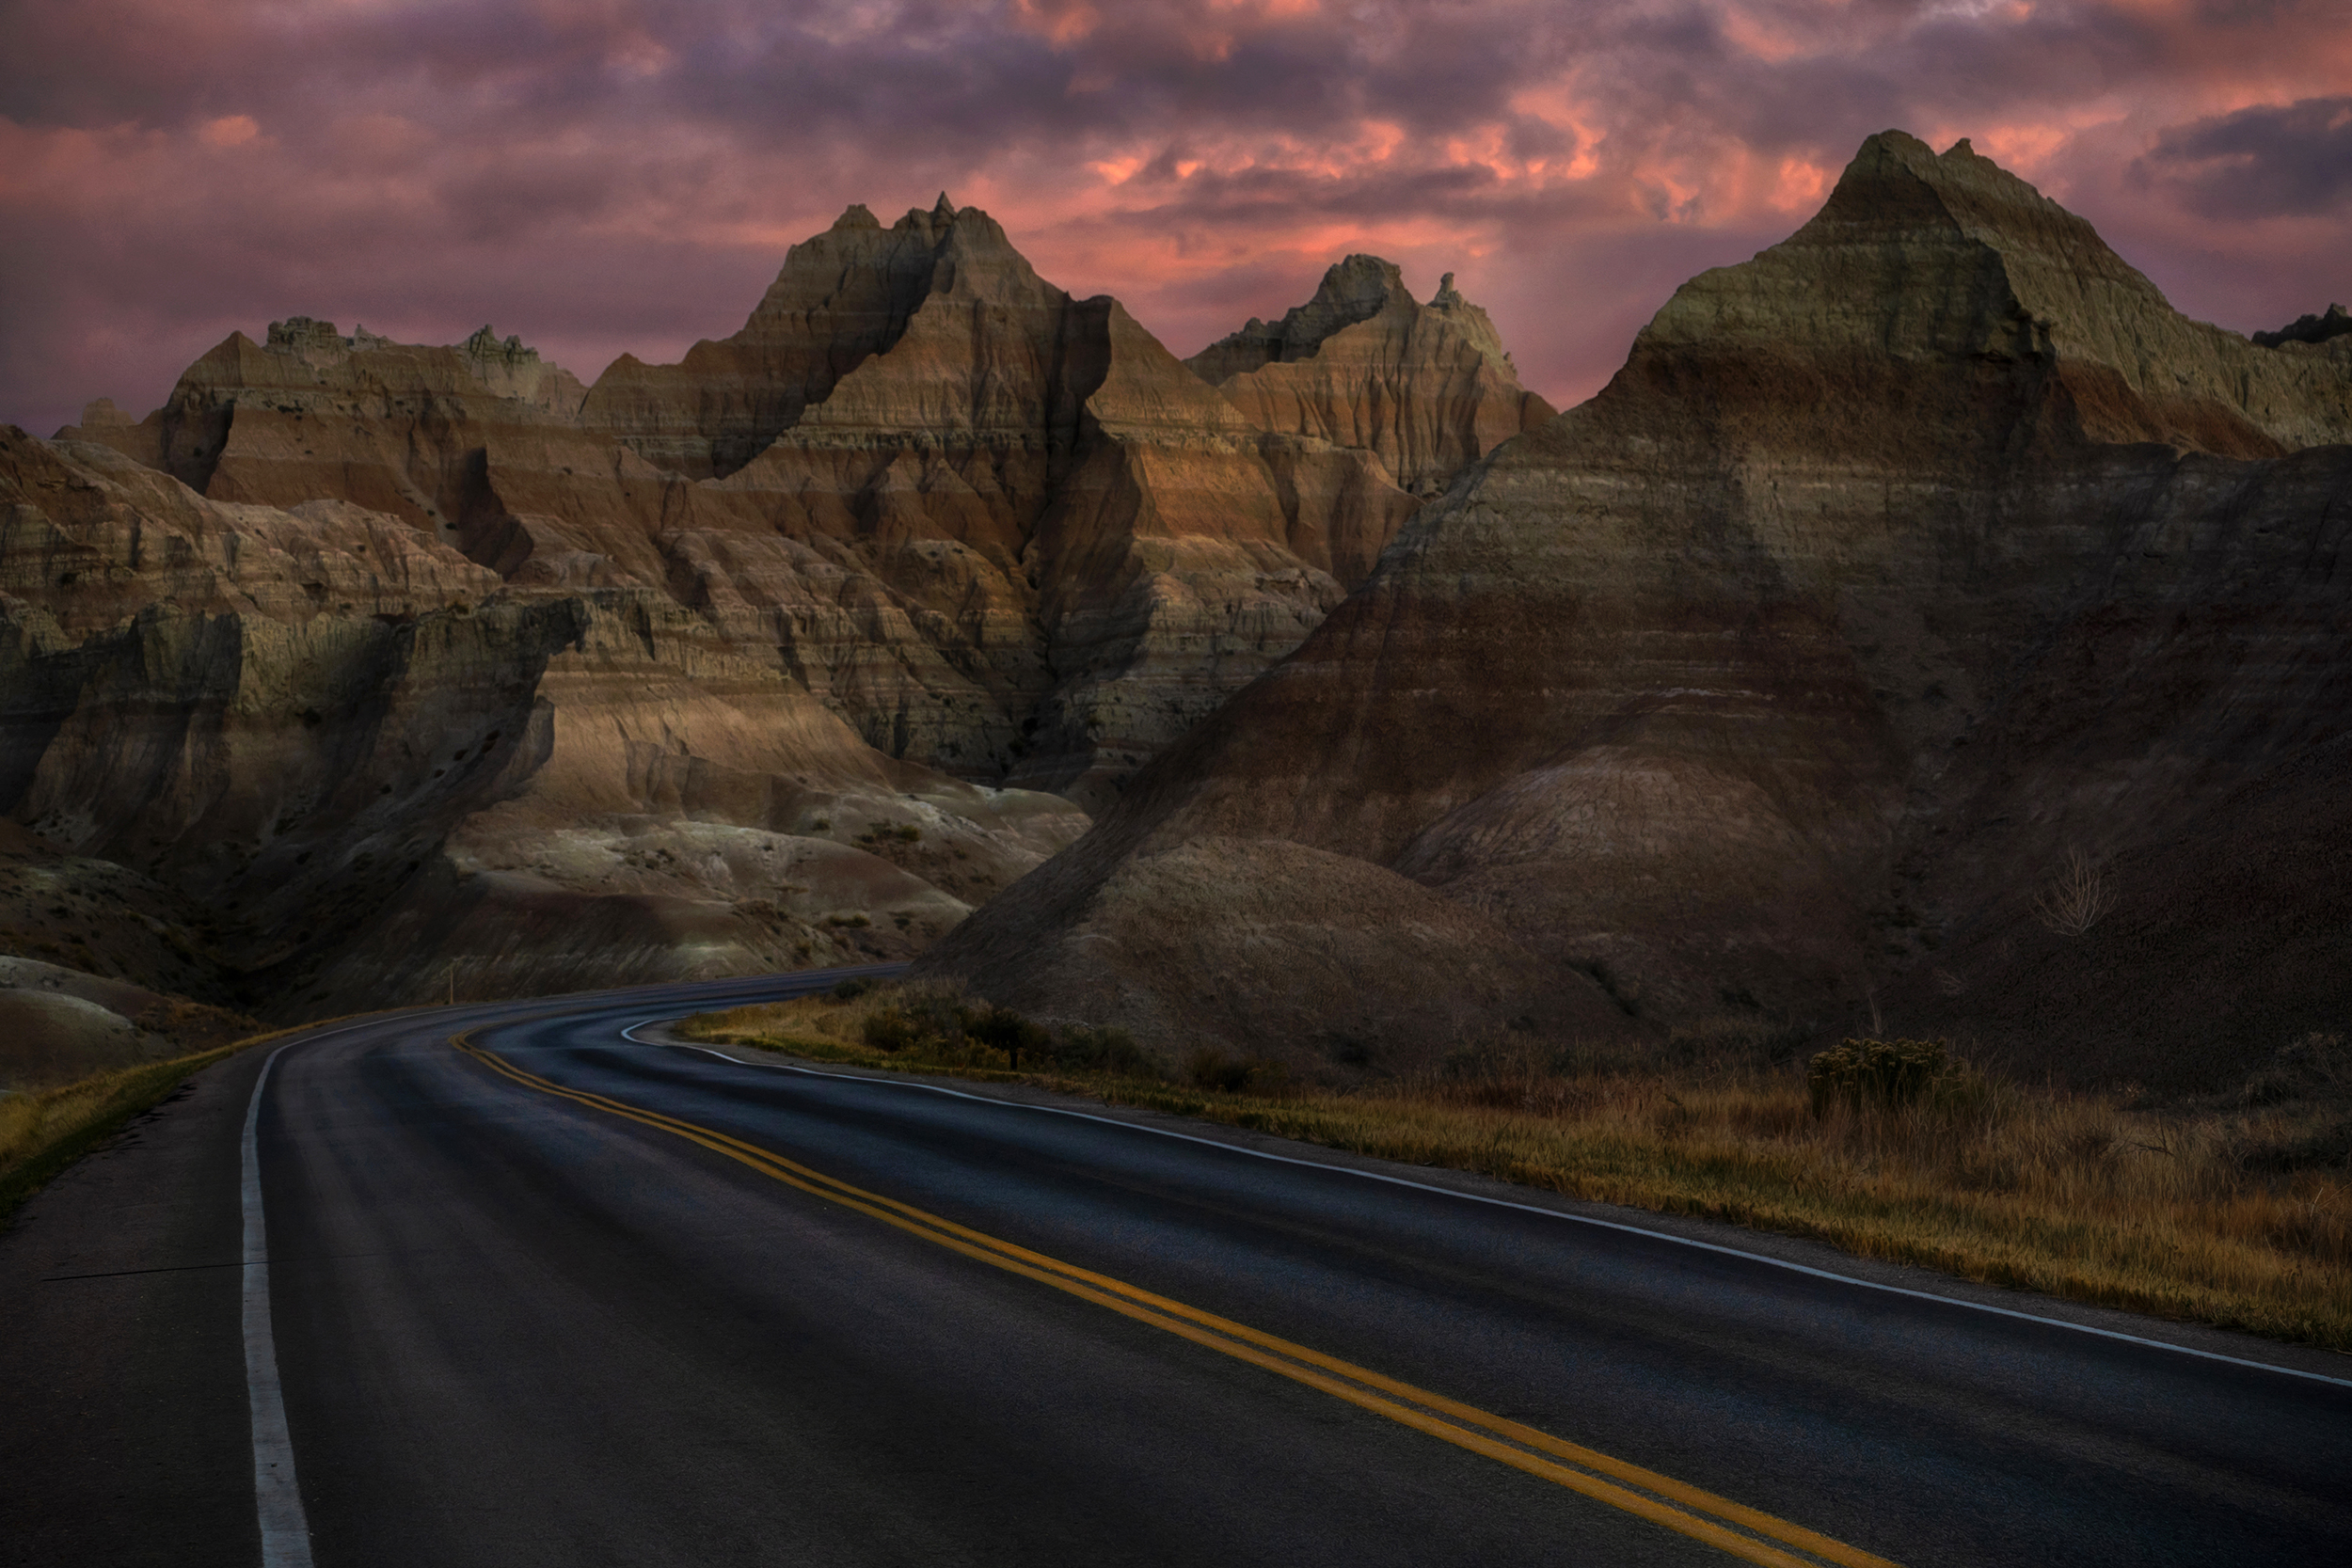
x=610, y=175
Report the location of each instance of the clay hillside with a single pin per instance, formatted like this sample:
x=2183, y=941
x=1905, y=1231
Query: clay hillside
x=359, y=665
x=1927, y=618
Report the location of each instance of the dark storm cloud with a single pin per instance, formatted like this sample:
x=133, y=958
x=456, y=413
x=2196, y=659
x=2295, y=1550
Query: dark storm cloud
x=2267, y=161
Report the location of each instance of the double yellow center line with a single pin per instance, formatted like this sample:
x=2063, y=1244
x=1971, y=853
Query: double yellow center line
x=1744, y=1532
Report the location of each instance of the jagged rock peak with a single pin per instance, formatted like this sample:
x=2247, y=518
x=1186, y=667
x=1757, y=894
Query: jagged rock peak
x=1425, y=388
x=1952, y=259
x=2309, y=329
x=486, y=345
x=1352, y=291
x=298, y=333
x=938, y=217
x=841, y=297
x=1874, y=578
x=1475, y=323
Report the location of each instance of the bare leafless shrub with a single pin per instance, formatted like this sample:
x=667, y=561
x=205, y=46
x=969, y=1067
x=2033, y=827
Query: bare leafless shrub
x=2075, y=899
x=2317, y=1066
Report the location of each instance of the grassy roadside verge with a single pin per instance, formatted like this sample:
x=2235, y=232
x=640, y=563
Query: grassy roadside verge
x=2218, y=1214
x=44, y=1132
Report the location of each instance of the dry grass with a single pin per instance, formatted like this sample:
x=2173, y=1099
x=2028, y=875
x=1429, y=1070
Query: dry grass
x=929, y=1026
x=2072, y=1194
x=2234, y=1213
x=44, y=1132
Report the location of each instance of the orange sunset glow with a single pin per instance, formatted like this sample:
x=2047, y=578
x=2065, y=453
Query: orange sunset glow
x=602, y=176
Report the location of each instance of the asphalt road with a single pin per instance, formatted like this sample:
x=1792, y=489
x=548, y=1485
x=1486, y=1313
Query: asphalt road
x=574, y=1299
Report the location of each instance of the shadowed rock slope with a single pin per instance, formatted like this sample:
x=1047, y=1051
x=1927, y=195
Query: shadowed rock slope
x=345, y=756
x=1928, y=547
x=397, y=658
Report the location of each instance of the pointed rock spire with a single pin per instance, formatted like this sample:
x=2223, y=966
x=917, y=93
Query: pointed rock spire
x=1364, y=358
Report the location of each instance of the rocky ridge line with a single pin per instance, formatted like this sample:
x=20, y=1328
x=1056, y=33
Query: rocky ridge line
x=1775, y=685
x=760, y=660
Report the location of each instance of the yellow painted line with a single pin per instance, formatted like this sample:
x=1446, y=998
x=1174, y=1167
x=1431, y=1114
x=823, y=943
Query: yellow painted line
x=1465, y=1426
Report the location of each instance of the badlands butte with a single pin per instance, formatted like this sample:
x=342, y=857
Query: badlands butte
x=1325, y=696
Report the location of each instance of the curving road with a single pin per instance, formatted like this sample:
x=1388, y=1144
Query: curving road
x=568, y=1297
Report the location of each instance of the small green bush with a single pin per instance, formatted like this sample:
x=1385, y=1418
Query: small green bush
x=852, y=987
x=1874, y=1072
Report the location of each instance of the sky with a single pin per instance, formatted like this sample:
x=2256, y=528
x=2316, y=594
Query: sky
x=601, y=176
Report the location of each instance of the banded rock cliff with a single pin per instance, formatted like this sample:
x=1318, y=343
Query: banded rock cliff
x=389, y=658
x=1427, y=388
x=348, y=756
x=1785, y=679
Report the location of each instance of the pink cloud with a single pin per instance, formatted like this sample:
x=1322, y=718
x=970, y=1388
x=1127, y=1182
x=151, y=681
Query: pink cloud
x=624, y=175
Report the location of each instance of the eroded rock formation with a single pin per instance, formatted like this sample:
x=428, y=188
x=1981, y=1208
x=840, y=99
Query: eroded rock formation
x=362, y=767
x=1426, y=388
x=1782, y=677
x=2309, y=329
x=790, y=652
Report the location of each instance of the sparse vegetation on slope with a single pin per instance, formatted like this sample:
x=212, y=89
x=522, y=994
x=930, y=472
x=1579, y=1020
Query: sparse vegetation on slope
x=2233, y=1211
x=927, y=1026
x=40, y=1135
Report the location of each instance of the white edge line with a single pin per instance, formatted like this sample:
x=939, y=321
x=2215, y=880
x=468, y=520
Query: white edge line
x=276, y=1497
x=277, y=1493
x=629, y=1033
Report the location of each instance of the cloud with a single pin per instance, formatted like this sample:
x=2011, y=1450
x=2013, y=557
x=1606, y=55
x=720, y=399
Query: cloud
x=2267, y=161
x=612, y=175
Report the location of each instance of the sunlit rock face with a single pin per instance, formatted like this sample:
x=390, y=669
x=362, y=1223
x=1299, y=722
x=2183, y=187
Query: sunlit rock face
x=792, y=652
x=352, y=758
x=1779, y=679
x=1001, y=533
x=1427, y=388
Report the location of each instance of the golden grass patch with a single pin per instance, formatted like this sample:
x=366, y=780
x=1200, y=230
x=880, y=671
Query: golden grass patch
x=43, y=1132
x=2192, y=1213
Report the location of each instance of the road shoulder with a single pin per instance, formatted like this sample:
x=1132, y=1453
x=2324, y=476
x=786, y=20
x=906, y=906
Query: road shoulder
x=126, y=1441
x=1795, y=1251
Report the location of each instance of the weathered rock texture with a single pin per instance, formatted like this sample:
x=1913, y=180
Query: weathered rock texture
x=2309, y=329
x=1425, y=388
x=1896, y=563
x=367, y=757
x=410, y=659
x=1001, y=533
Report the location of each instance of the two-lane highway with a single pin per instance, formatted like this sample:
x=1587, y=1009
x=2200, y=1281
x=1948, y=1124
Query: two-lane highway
x=556, y=1295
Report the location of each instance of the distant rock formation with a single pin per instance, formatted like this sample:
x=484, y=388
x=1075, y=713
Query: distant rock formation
x=788, y=653
x=1426, y=388
x=1783, y=679
x=2309, y=329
